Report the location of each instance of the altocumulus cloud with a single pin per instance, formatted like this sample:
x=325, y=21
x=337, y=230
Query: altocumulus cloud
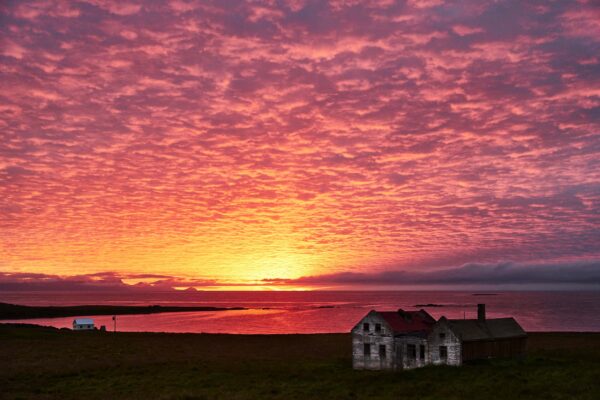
x=212, y=138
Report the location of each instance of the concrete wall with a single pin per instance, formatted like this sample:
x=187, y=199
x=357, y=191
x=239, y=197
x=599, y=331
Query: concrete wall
x=385, y=337
x=449, y=340
x=403, y=357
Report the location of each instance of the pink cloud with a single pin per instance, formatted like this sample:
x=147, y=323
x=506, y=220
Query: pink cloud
x=463, y=30
x=122, y=8
x=12, y=49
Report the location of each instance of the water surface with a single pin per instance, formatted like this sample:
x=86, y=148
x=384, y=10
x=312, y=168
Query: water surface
x=320, y=312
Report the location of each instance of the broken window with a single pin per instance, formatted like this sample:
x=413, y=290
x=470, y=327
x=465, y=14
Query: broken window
x=442, y=336
x=382, y=352
x=366, y=327
x=377, y=327
x=443, y=353
x=422, y=351
x=411, y=351
x=367, y=350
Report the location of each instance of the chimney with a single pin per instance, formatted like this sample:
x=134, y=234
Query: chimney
x=481, y=312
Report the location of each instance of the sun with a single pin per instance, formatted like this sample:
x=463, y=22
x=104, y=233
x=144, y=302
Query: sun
x=278, y=265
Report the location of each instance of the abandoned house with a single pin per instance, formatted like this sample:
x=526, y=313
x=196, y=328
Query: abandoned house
x=391, y=340
x=410, y=339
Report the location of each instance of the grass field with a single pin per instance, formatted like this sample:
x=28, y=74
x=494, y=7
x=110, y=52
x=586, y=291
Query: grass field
x=47, y=363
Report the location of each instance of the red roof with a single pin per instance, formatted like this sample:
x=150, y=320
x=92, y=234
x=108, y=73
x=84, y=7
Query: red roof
x=408, y=321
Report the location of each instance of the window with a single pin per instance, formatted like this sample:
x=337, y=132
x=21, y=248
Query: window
x=377, y=327
x=366, y=327
x=422, y=351
x=443, y=353
x=442, y=336
x=411, y=351
x=367, y=350
x=382, y=352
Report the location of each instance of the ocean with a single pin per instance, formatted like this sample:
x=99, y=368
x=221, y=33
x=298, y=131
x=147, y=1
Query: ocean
x=320, y=311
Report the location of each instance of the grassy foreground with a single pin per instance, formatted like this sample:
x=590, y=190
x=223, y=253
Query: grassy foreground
x=49, y=363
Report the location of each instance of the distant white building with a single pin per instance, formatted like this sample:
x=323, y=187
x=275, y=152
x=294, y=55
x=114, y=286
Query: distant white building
x=83, y=324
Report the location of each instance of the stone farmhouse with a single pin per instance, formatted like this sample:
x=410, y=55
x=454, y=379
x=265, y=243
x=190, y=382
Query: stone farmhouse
x=397, y=340
x=392, y=340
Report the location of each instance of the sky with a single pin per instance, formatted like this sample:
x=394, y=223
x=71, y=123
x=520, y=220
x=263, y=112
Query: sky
x=299, y=144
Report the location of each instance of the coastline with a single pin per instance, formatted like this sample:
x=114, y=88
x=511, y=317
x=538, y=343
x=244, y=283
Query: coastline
x=15, y=311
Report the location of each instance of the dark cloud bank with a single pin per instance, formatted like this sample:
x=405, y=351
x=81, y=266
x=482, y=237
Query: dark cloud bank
x=585, y=273
x=99, y=282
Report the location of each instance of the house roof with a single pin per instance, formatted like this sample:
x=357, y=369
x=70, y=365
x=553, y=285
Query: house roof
x=497, y=328
x=408, y=321
x=83, y=321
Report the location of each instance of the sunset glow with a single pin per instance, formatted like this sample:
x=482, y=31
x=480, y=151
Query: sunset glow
x=265, y=144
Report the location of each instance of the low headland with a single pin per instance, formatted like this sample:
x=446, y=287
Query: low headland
x=48, y=363
x=15, y=311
